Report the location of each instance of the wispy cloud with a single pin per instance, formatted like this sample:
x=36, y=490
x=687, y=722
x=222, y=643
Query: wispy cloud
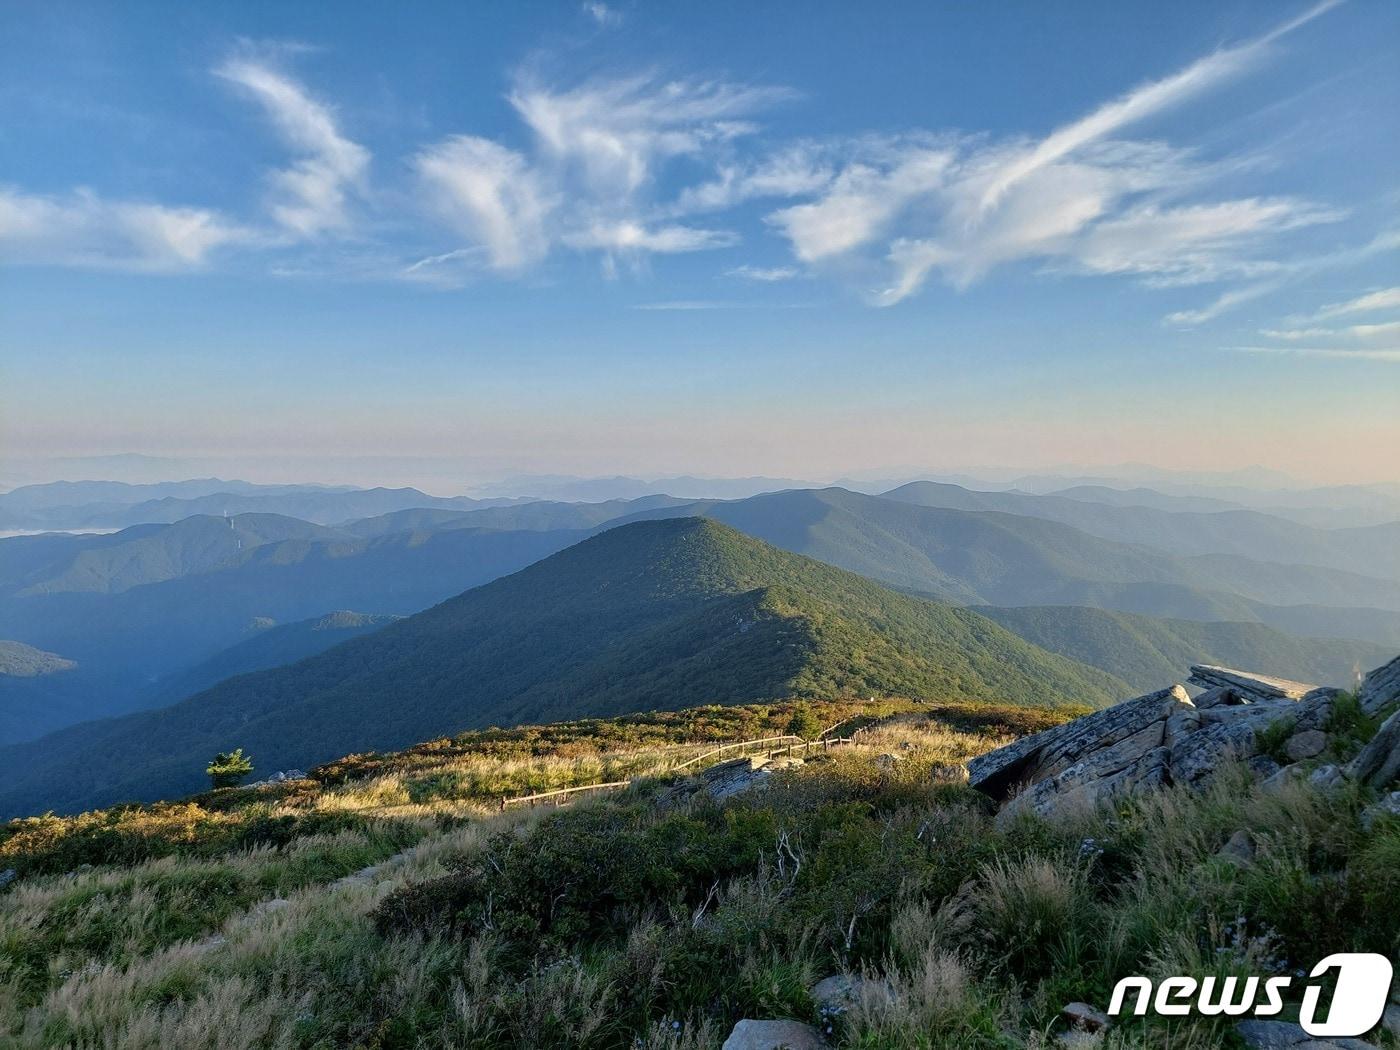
x=793, y=171
x=1389, y=354
x=602, y=13
x=491, y=195
x=1077, y=199
x=628, y=236
x=1357, y=333
x=1222, y=304
x=83, y=229
x=626, y=167
x=766, y=274
x=687, y=304
x=1194, y=243
x=1384, y=299
x=863, y=199
x=1286, y=271
x=587, y=180
x=614, y=133
x=311, y=196
x=1137, y=105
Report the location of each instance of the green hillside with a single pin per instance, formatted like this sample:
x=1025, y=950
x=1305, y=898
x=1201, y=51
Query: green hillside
x=1146, y=651
x=268, y=647
x=655, y=615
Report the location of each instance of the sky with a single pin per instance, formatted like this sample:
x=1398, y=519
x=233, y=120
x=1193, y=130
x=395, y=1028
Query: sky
x=724, y=238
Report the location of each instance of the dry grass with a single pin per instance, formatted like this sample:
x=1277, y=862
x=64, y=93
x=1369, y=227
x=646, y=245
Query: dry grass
x=996, y=932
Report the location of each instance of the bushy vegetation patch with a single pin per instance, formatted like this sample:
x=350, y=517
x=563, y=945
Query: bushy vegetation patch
x=128, y=835
x=657, y=918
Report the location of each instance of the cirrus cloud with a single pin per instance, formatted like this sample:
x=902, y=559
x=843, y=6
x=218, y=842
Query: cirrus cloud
x=311, y=197
x=86, y=230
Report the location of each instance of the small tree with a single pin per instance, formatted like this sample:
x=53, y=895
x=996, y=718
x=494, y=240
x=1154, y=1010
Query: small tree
x=228, y=770
x=804, y=723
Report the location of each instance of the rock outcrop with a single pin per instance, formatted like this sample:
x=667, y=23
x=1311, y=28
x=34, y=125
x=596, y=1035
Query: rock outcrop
x=1380, y=688
x=733, y=777
x=1167, y=738
x=773, y=1035
x=1248, y=688
x=1378, y=764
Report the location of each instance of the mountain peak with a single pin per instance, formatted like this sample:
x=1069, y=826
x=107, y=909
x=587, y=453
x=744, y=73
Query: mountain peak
x=650, y=615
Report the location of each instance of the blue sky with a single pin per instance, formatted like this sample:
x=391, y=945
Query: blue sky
x=722, y=238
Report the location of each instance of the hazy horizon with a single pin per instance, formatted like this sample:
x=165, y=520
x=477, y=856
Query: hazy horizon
x=448, y=477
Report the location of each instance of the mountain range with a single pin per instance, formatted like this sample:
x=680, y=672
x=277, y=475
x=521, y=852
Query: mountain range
x=996, y=558
x=110, y=505
x=1369, y=550
x=139, y=607
x=655, y=614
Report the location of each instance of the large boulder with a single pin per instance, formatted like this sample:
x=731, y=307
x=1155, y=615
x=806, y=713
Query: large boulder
x=1195, y=758
x=1101, y=777
x=1139, y=722
x=1378, y=763
x=773, y=1035
x=1380, y=688
x=1309, y=743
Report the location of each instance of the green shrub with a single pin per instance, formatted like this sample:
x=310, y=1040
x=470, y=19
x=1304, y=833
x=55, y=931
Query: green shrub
x=228, y=769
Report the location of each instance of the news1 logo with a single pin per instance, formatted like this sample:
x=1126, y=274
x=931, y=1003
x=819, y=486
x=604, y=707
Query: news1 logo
x=1357, y=1003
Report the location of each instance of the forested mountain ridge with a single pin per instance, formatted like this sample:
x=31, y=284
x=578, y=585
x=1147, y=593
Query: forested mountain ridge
x=1146, y=650
x=651, y=615
x=996, y=558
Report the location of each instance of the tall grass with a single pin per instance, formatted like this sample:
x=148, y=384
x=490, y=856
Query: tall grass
x=643, y=921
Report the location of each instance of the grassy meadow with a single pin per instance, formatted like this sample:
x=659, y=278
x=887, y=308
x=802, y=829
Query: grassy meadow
x=247, y=918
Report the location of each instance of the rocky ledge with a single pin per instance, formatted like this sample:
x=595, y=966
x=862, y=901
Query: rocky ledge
x=1280, y=728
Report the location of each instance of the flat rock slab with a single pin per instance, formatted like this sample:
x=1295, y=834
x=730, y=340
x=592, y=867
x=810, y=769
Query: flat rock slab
x=1248, y=685
x=774, y=1035
x=741, y=774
